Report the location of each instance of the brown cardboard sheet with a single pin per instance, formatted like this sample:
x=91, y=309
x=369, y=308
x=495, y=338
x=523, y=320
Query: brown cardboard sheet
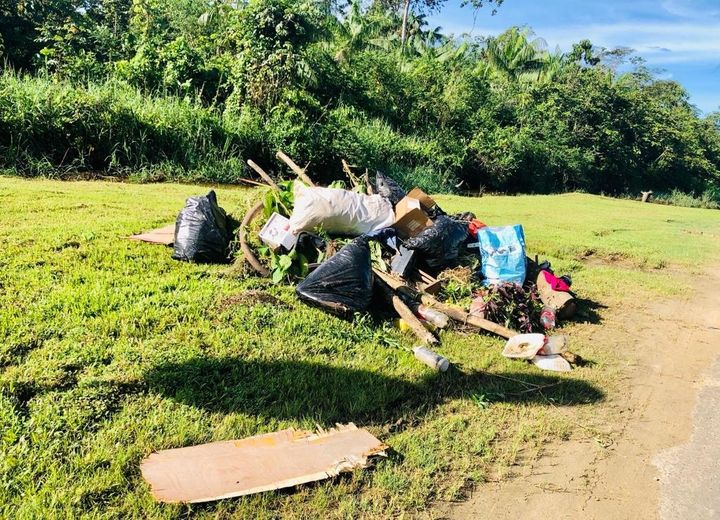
x=164, y=235
x=265, y=462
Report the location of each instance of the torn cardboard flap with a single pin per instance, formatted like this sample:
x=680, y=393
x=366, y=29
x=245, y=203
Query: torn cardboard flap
x=261, y=463
x=426, y=201
x=164, y=236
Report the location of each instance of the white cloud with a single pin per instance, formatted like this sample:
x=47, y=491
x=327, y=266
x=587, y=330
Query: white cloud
x=695, y=9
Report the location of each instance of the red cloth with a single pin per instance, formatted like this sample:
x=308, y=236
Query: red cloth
x=557, y=284
x=474, y=225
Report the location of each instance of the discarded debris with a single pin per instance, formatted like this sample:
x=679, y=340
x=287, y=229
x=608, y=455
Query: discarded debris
x=502, y=250
x=277, y=460
x=164, y=236
x=524, y=346
x=201, y=232
x=343, y=284
x=276, y=233
x=339, y=211
x=555, y=293
x=394, y=231
x=554, y=363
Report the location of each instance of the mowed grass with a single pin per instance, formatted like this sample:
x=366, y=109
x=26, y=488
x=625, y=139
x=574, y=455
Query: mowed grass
x=110, y=350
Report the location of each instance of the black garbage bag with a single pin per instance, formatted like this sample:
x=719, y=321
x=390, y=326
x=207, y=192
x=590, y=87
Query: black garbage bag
x=202, y=233
x=439, y=245
x=310, y=245
x=388, y=188
x=343, y=283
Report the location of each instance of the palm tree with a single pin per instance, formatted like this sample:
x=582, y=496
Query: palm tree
x=514, y=56
x=353, y=33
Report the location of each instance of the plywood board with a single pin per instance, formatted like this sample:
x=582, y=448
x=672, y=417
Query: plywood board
x=164, y=235
x=272, y=461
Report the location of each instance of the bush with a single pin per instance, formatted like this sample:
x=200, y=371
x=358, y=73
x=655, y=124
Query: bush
x=710, y=199
x=46, y=125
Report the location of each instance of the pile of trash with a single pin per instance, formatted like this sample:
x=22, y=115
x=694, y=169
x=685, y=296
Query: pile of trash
x=347, y=248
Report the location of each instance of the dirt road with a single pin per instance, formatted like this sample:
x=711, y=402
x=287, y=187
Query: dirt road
x=664, y=457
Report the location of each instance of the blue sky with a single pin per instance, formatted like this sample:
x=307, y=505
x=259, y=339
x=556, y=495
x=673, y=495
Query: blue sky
x=681, y=37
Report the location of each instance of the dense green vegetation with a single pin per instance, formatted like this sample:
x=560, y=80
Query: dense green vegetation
x=188, y=89
x=109, y=349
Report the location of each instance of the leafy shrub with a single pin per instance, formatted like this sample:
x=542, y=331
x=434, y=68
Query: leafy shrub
x=710, y=199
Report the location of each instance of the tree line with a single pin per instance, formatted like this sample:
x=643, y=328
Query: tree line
x=187, y=89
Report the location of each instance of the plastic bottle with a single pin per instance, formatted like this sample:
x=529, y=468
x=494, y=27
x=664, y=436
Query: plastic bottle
x=430, y=315
x=431, y=359
x=547, y=318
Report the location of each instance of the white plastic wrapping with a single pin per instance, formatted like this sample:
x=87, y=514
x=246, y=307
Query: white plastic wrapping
x=339, y=211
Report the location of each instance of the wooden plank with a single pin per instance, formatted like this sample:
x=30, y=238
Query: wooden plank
x=425, y=336
x=164, y=236
x=428, y=284
x=262, y=463
x=458, y=314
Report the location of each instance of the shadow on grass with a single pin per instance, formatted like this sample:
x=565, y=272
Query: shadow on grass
x=589, y=311
x=329, y=394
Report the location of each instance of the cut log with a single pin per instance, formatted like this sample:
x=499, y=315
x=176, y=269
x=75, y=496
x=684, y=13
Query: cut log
x=563, y=303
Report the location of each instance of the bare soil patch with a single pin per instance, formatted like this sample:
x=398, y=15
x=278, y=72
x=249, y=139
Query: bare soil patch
x=667, y=347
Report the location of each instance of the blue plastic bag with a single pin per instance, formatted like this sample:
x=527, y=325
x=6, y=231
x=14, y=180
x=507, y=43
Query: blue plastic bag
x=502, y=250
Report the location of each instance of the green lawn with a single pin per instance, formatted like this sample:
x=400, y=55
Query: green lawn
x=109, y=350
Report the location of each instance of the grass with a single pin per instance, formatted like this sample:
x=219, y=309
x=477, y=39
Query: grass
x=110, y=350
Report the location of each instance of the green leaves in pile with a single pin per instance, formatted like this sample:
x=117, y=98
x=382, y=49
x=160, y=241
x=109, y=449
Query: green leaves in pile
x=281, y=202
x=284, y=267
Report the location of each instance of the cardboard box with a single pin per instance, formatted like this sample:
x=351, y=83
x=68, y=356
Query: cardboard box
x=410, y=219
x=426, y=201
x=276, y=233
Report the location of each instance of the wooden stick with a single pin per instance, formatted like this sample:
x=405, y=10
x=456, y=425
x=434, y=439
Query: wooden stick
x=252, y=182
x=393, y=282
x=300, y=172
x=366, y=178
x=348, y=171
x=248, y=255
x=262, y=174
x=460, y=315
x=406, y=314
x=456, y=313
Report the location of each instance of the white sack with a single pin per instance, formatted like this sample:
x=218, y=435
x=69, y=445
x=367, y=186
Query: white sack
x=339, y=211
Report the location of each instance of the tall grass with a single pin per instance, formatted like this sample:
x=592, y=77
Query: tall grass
x=48, y=127
x=51, y=128
x=710, y=199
